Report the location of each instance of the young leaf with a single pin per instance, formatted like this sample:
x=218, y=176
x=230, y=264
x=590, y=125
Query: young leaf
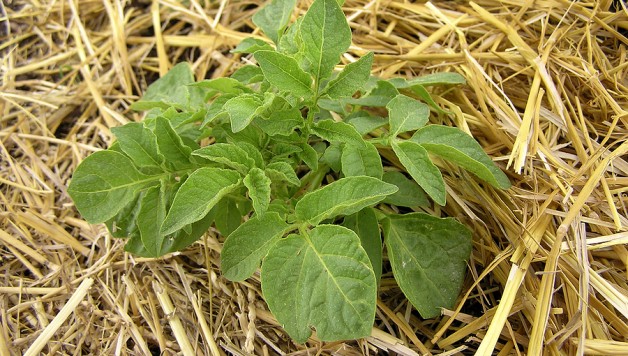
x=332, y=105
x=284, y=73
x=429, y=259
x=416, y=160
x=309, y=156
x=248, y=244
x=290, y=42
x=104, y=183
x=272, y=103
x=258, y=185
x=250, y=135
x=222, y=85
x=342, y=197
x=332, y=156
x=248, y=74
x=228, y=216
x=282, y=171
x=350, y=79
x=171, y=146
x=282, y=122
x=325, y=35
x=228, y=154
x=409, y=193
x=252, y=45
x=364, y=122
x=197, y=195
x=406, y=114
x=456, y=146
x=242, y=109
x=169, y=90
x=274, y=17
x=364, y=224
x=363, y=160
x=152, y=211
x=322, y=280
x=333, y=131
x=252, y=152
x=216, y=109
x=379, y=96
x=139, y=143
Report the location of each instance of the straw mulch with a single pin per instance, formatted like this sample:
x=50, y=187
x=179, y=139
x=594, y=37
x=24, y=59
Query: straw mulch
x=546, y=97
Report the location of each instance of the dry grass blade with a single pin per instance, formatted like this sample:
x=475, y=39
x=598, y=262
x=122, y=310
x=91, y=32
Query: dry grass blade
x=547, y=98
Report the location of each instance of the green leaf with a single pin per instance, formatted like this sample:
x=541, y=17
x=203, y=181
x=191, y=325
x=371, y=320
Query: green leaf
x=309, y=156
x=379, y=96
x=152, y=211
x=409, y=194
x=248, y=74
x=361, y=160
x=364, y=122
x=282, y=122
x=123, y=224
x=248, y=244
x=228, y=216
x=456, y=146
x=171, y=146
x=290, y=42
x=216, y=109
x=325, y=35
x=406, y=114
x=228, y=154
x=197, y=195
x=222, y=85
x=418, y=164
x=272, y=104
x=350, y=79
x=169, y=90
x=139, y=143
x=258, y=185
x=135, y=246
x=429, y=258
x=242, y=109
x=364, y=224
x=322, y=280
x=173, y=242
x=342, y=197
x=284, y=73
x=251, y=151
x=334, y=131
x=282, y=171
x=104, y=183
x=332, y=156
x=430, y=79
x=251, y=135
x=334, y=105
x=252, y=45
x=424, y=95
x=274, y=17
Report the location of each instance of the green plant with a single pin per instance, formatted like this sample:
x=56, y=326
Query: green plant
x=289, y=146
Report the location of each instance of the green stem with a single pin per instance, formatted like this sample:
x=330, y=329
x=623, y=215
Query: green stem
x=313, y=179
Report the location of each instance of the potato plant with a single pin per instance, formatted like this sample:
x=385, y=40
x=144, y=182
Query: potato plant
x=289, y=161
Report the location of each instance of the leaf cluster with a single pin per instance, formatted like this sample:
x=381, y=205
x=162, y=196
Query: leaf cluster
x=288, y=161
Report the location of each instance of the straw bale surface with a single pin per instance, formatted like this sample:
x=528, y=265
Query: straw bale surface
x=547, y=98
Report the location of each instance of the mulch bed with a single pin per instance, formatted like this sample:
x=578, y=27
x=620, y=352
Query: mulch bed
x=547, y=98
